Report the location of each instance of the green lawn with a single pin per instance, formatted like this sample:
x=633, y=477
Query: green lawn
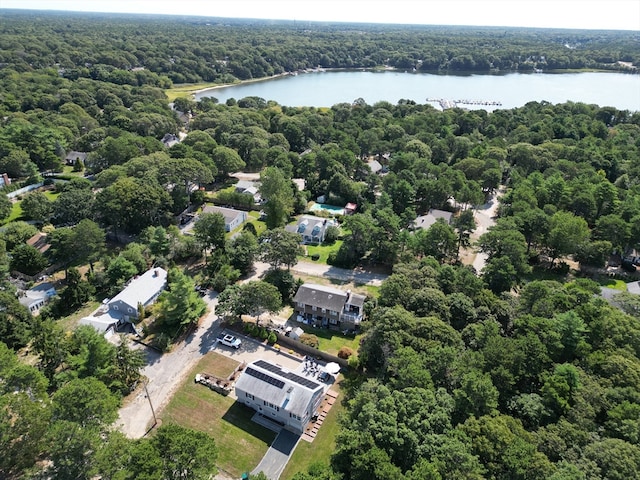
x=241, y=443
x=332, y=341
x=323, y=250
x=323, y=446
x=51, y=195
x=16, y=214
x=613, y=283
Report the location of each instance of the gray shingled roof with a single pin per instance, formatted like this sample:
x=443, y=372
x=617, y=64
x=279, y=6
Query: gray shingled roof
x=229, y=214
x=143, y=288
x=321, y=296
x=278, y=386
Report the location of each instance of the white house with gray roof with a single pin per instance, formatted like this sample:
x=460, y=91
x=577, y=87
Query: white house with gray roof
x=425, y=221
x=278, y=394
x=312, y=229
x=232, y=218
x=141, y=290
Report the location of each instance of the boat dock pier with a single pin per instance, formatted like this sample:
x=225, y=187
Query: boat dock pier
x=445, y=104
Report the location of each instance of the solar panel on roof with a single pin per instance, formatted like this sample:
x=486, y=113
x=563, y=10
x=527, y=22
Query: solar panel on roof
x=288, y=375
x=264, y=377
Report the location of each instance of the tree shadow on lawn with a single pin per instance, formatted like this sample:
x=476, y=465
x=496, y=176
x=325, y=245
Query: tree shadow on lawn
x=240, y=415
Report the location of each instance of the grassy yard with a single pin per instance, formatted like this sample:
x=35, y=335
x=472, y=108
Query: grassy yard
x=322, y=250
x=613, y=283
x=16, y=214
x=186, y=89
x=241, y=443
x=323, y=446
x=51, y=195
x=332, y=341
x=260, y=225
x=70, y=322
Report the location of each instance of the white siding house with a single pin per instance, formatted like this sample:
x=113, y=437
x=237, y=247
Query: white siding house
x=279, y=394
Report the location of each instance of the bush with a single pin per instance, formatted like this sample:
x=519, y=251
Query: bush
x=263, y=333
x=354, y=362
x=310, y=339
x=272, y=338
x=162, y=342
x=345, y=352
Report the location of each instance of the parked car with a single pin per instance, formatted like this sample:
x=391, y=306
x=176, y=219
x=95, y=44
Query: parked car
x=229, y=341
x=628, y=265
x=324, y=376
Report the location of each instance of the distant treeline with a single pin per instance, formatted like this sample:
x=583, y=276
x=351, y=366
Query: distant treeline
x=153, y=49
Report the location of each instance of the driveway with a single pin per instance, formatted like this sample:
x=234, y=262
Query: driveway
x=165, y=373
x=277, y=456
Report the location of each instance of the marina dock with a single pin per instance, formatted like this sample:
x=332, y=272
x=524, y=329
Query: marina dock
x=445, y=103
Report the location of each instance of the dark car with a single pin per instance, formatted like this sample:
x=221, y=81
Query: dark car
x=628, y=265
x=324, y=376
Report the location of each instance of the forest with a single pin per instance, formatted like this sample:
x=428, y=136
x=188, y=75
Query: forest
x=519, y=371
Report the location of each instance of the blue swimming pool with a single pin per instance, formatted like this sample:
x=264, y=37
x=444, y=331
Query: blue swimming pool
x=328, y=208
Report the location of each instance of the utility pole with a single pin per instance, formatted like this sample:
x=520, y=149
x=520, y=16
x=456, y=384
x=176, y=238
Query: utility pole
x=155, y=420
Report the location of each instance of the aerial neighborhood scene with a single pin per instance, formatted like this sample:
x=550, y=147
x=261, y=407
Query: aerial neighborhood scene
x=308, y=240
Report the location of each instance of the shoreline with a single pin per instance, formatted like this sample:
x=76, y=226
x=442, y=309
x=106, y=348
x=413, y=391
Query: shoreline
x=241, y=82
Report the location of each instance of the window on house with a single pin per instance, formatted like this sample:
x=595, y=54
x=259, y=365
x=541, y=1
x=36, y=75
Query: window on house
x=314, y=308
x=324, y=310
x=333, y=321
x=115, y=307
x=129, y=310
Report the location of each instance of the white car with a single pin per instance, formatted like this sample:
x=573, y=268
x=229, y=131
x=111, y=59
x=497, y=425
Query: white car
x=230, y=341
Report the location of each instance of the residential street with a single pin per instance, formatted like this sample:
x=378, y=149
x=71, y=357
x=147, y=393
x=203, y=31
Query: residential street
x=166, y=371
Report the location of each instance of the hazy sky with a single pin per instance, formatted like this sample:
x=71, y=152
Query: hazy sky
x=591, y=14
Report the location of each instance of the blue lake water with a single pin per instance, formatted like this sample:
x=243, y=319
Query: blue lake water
x=327, y=88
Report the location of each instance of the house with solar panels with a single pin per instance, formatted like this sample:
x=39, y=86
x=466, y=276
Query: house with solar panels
x=279, y=394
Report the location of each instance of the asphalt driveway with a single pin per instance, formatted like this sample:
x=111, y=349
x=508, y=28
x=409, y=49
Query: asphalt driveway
x=276, y=458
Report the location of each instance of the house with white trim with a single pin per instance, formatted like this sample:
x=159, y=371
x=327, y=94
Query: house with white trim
x=141, y=290
x=37, y=297
x=328, y=307
x=232, y=218
x=312, y=229
x=279, y=394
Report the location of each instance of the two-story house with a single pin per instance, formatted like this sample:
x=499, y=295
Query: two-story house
x=279, y=394
x=311, y=229
x=328, y=307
